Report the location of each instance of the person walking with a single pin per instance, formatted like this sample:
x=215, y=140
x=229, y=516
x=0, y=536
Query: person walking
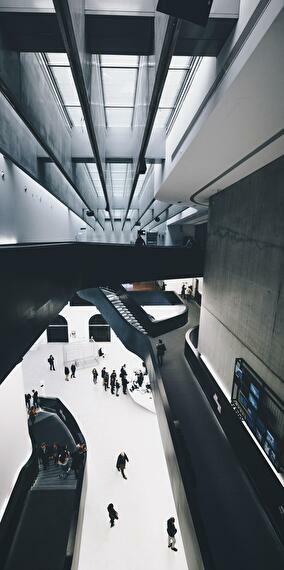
x=67, y=372
x=28, y=401
x=124, y=382
x=182, y=293
x=161, y=349
x=95, y=375
x=112, y=514
x=35, y=398
x=171, y=530
x=73, y=370
x=121, y=463
x=112, y=381
x=106, y=379
x=103, y=373
x=50, y=361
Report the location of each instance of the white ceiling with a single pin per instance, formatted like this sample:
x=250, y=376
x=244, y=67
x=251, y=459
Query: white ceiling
x=250, y=112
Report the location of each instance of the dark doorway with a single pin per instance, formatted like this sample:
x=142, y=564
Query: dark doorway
x=99, y=329
x=58, y=330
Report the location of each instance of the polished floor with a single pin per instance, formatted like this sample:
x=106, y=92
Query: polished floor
x=111, y=424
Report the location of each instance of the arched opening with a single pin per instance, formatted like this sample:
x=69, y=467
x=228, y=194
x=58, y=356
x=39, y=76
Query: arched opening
x=58, y=330
x=99, y=329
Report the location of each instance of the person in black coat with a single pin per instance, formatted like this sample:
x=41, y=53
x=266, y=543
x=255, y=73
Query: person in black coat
x=67, y=372
x=117, y=386
x=50, y=361
x=28, y=400
x=112, y=514
x=121, y=463
x=73, y=370
x=95, y=375
x=35, y=398
x=106, y=380
x=171, y=530
x=161, y=349
x=43, y=454
x=112, y=381
x=124, y=382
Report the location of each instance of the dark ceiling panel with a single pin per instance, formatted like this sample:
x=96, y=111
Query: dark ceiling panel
x=119, y=35
x=31, y=32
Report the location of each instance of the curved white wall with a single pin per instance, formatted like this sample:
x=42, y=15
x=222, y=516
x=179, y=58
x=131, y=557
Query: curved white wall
x=15, y=443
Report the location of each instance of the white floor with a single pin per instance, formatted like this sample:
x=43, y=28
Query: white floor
x=144, y=502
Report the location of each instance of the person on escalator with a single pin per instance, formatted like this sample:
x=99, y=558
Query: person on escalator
x=161, y=349
x=44, y=455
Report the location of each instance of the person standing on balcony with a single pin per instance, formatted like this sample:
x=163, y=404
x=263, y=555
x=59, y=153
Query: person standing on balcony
x=161, y=349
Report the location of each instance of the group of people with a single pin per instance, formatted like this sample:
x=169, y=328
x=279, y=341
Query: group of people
x=67, y=371
x=32, y=404
x=61, y=456
x=112, y=380
x=186, y=291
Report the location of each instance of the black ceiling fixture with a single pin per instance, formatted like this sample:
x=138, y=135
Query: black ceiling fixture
x=195, y=11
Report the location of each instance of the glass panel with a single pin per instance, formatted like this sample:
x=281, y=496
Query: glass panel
x=76, y=115
x=66, y=85
x=180, y=62
x=119, y=86
x=92, y=167
x=172, y=87
x=57, y=59
x=119, y=60
x=119, y=116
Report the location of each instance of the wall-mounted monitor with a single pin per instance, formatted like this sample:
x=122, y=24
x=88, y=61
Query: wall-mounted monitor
x=261, y=409
x=254, y=390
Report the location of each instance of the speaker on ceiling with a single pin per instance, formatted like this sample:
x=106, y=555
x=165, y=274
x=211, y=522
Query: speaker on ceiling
x=195, y=11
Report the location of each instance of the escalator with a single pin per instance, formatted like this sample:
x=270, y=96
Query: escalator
x=38, y=530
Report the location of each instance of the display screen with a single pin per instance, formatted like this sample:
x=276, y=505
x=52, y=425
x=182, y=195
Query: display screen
x=266, y=448
x=261, y=409
x=253, y=401
x=243, y=401
x=271, y=440
x=238, y=371
x=254, y=390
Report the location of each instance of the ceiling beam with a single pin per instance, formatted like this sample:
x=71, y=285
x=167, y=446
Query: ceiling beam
x=71, y=19
x=165, y=51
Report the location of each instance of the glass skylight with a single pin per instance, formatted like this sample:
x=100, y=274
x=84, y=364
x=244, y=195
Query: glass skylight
x=92, y=168
x=60, y=68
x=119, y=77
x=119, y=178
x=176, y=74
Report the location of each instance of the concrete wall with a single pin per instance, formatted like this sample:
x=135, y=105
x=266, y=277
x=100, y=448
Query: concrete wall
x=15, y=443
x=29, y=213
x=243, y=291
